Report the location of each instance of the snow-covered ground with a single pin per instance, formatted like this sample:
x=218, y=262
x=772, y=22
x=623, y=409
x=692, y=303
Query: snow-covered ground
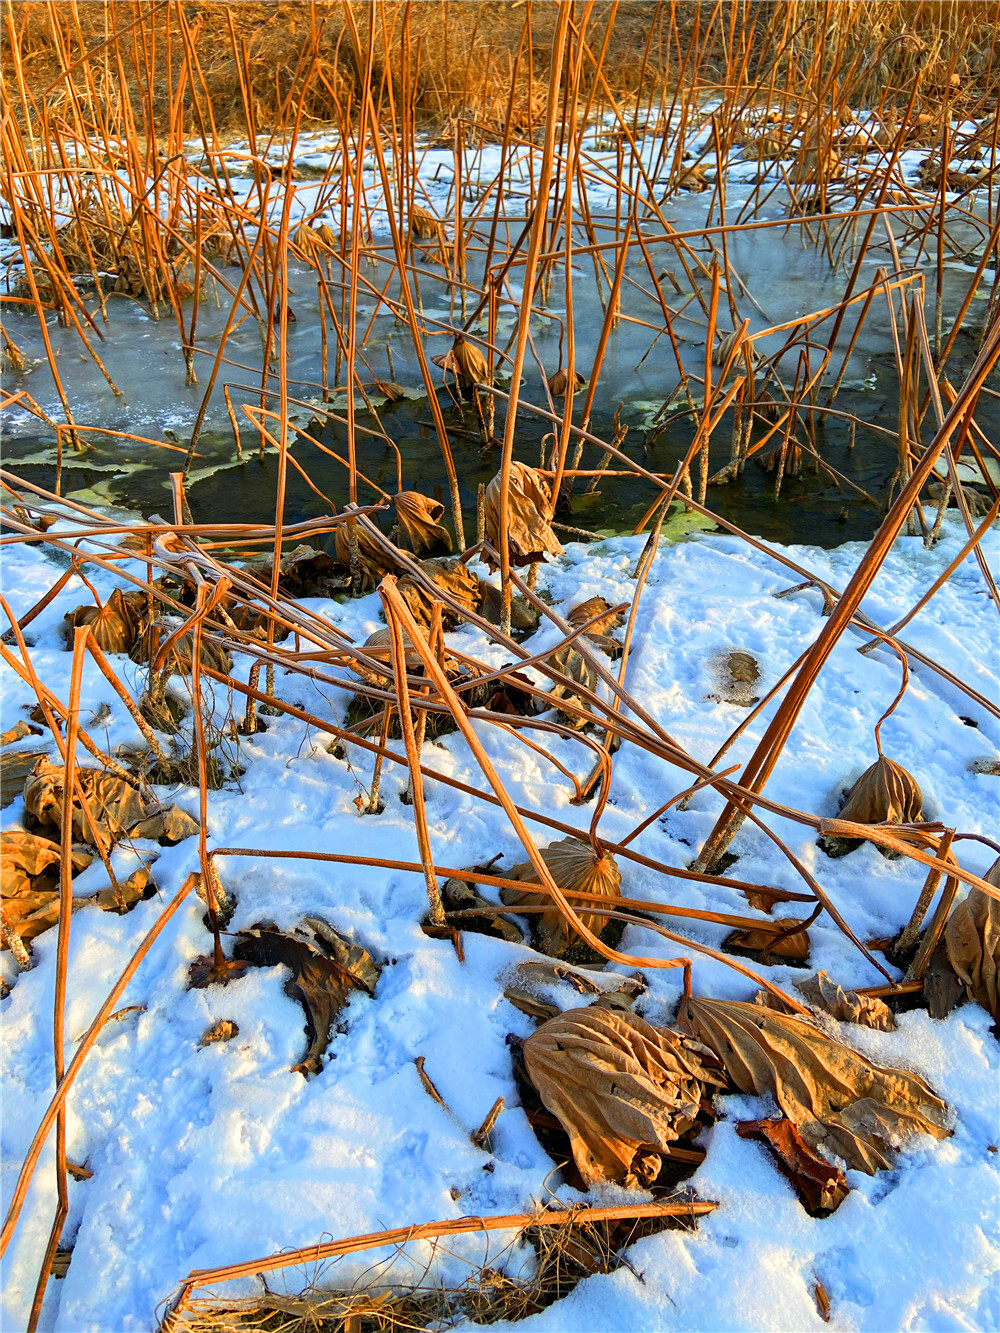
x=204, y=1156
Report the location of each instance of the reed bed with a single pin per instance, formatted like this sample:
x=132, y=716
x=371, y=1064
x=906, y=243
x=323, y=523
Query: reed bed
x=149, y=155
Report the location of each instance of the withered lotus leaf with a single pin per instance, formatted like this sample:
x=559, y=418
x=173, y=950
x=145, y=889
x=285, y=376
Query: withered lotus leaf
x=180, y=654
x=470, y=365
x=374, y=562
x=972, y=939
x=574, y=665
x=574, y=866
x=884, y=794
x=420, y=519
x=559, y=382
x=837, y=1100
x=528, y=531
x=622, y=1090
x=114, y=625
x=303, y=571
x=379, y=647
x=325, y=968
x=868, y=1011
x=423, y=224
x=821, y=1186
x=523, y=615
x=453, y=578
x=764, y=939
x=596, y=606
x=117, y=808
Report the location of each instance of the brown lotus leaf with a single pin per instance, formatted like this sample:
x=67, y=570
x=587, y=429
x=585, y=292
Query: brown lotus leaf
x=470, y=365
x=622, y=1090
x=528, y=531
x=458, y=895
x=116, y=807
x=574, y=665
x=764, y=939
x=453, y=578
x=786, y=455
x=379, y=646
x=14, y=770
x=815, y=165
x=884, y=794
x=523, y=615
x=559, y=382
x=224, y=1030
x=821, y=1186
x=733, y=342
x=419, y=518
x=693, y=179
x=325, y=233
x=837, y=1100
x=17, y=733
x=573, y=865
x=393, y=393
x=972, y=939
x=114, y=625
x=180, y=654
x=868, y=1011
x=596, y=606
x=736, y=678
x=325, y=969
x=302, y=572
x=423, y=224
x=374, y=562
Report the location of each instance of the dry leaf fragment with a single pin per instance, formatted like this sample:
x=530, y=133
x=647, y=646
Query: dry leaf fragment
x=17, y=732
x=419, y=518
x=453, y=578
x=838, y=1100
x=528, y=531
x=224, y=1030
x=325, y=969
x=621, y=1089
x=822, y=1299
x=868, y=1011
x=573, y=865
x=574, y=665
x=821, y=1186
x=972, y=940
x=458, y=895
x=693, y=179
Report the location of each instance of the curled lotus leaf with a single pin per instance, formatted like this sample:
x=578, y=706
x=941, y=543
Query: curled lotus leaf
x=420, y=519
x=559, y=382
x=972, y=940
x=115, y=625
x=841, y=1103
x=374, y=561
x=573, y=865
x=454, y=579
x=821, y=992
x=529, y=534
x=118, y=809
x=573, y=664
x=610, y=618
x=622, y=1089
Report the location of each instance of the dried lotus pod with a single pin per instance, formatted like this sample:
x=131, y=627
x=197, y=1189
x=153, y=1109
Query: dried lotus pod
x=452, y=577
x=528, y=531
x=622, y=1089
x=972, y=939
x=115, y=625
x=559, y=382
x=420, y=519
x=574, y=866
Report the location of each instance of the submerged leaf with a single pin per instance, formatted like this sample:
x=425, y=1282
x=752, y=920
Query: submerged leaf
x=574, y=866
x=838, y=1100
x=622, y=1090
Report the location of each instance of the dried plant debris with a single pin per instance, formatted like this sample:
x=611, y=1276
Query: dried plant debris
x=622, y=1090
x=452, y=578
x=972, y=942
x=303, y=572
x=885, y=793
x=821, y=1186
x=822, y=993
x=419, y=520
x=325, y=968
x=29, y=883
x=15, y=768
x=374, y=562
x=152, y=646
x=118, y=809
x=559, y=382
x=523, y=615
x=569, y=662
x=574, y=865
x=224, y=1030
x=839, y=1101
x=529, y=535
x=539, y=987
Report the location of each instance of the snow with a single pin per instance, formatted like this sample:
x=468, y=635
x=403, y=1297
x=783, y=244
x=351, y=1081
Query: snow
x=210, y=1155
